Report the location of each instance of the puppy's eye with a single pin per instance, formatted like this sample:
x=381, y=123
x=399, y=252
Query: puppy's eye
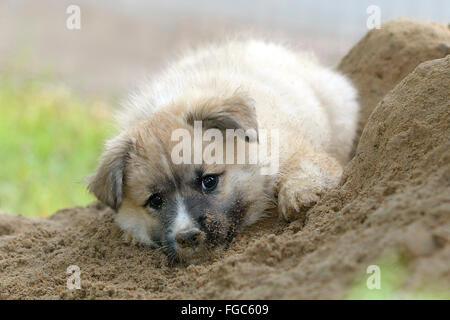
x=210, y=182
x=155, y=201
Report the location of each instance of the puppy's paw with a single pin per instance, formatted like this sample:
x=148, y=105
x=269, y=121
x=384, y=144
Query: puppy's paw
x=294, y=201
x=303, y=187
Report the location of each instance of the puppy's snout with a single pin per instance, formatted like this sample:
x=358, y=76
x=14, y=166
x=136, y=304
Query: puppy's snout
x=189, y=238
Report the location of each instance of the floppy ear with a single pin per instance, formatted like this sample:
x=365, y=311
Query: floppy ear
x=107, y=182
x=236, y=112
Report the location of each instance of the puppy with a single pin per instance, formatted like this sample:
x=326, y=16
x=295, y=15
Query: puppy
x=192, y=208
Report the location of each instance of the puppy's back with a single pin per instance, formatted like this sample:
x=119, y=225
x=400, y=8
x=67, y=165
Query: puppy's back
x=287, y=87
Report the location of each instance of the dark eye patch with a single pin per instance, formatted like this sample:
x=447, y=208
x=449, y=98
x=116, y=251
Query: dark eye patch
x=210, y=182
x=155, y=201
x=199, y=174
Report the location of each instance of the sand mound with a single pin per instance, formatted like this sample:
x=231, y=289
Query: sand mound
x=385, y=56
x=392, y=201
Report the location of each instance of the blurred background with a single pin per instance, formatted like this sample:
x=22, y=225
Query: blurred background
x=59, y=87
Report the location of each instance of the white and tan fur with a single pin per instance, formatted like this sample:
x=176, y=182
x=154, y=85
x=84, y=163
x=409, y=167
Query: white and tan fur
x=314, y=108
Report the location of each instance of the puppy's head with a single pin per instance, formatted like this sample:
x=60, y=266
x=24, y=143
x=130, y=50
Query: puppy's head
x=189, y=208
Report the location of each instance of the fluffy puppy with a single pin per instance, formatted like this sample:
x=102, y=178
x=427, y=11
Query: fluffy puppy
x=190, y=208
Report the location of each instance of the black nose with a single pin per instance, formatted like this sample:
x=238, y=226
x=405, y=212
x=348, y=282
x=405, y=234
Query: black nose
x=188, y=238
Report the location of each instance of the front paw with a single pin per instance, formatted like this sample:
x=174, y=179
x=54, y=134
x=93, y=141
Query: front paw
x=299, y=192
x=295, y=201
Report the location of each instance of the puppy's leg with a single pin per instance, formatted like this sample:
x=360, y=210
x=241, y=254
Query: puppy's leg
x=305, y=176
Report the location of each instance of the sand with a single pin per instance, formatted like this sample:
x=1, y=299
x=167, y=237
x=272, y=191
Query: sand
x=384, y=57
x=393, y=201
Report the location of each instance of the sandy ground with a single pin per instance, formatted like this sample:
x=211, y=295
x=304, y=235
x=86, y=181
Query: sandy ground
x=393, y=200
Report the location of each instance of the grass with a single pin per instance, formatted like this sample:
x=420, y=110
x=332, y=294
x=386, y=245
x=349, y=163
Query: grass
x=49, y=141
x=393, y=274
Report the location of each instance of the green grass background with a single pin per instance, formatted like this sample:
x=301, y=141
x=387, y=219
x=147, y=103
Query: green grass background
x=49, y=141
x=394, y=275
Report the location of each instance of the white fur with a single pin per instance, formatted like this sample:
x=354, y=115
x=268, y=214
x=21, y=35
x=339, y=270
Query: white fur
x=314, y=109
x=288, y=88
x=182, y=220
x=136, y=222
